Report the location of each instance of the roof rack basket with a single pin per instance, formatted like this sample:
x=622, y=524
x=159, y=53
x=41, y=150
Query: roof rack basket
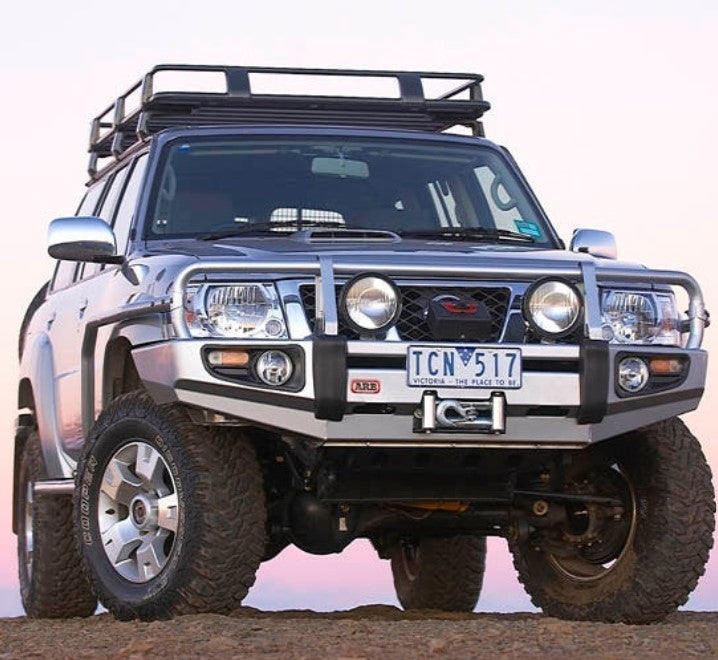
x=224, y=95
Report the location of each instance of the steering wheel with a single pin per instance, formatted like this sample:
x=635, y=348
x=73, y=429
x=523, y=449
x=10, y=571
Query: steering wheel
x=504, y=206
x=168, y=189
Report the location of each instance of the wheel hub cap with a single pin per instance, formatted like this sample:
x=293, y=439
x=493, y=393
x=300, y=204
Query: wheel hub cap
x=143, y=512
x=138, y=511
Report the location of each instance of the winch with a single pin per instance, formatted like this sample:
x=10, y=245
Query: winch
x=481, y=416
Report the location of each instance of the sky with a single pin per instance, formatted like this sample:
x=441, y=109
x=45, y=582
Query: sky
x=609, y=107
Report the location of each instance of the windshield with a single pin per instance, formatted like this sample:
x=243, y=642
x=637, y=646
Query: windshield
x=260, y=185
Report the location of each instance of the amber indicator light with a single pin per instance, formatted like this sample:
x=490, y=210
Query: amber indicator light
x=665, y=366
x=229, y=357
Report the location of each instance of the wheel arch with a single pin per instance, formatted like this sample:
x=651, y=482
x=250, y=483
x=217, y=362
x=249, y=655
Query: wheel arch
x=119, y=372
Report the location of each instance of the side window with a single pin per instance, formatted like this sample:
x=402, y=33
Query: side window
x=106, y=212
x=65, y=270
x=64, y=274
x=108, y=204
x=123, y=217
x=89, y=201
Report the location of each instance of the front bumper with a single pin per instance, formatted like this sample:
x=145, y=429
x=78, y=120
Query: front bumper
x=568, y=396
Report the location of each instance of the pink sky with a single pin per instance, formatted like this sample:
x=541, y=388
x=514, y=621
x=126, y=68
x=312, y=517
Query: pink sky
x=610, y=110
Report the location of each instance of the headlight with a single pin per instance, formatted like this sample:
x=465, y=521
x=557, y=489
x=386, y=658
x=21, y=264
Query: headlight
x=370, y=304
x=634, y=317
x=236, y=310
x=552, y=308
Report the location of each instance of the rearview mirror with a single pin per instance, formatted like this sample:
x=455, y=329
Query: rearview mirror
x=341, y=167
x=82, y=239
x=594, y=242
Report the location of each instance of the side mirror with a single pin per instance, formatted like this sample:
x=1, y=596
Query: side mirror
x=594, y=242
x=82, y=239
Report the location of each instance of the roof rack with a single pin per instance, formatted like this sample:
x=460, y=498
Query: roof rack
x=224, y=95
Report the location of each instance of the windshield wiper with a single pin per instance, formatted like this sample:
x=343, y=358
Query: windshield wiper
x=469, y=233
x=266, y=227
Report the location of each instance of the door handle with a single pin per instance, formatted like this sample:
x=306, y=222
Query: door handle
x=83, y=307
x=50, y=320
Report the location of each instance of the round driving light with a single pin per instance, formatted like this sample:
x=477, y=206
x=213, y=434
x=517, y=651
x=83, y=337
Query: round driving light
x=632, y=374
x=370, y=303
x=274, y=368
x=552, y=308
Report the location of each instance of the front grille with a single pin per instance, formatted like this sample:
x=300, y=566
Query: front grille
x=412, y=325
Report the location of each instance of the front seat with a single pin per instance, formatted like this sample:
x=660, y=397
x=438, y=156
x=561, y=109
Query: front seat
x=200, y=212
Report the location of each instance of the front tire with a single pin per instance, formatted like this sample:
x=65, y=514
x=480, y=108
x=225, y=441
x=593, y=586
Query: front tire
x=661, y=551
x=52, y=583
x=171, y=515
x=440, y=573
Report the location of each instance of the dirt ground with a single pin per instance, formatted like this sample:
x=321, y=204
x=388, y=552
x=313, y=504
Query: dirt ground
x=365, y=632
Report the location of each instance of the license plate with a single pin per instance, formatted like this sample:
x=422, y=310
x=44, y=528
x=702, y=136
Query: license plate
x=463, y=366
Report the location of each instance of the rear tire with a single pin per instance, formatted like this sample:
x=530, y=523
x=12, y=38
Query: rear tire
x=185, y=533
x=440, y=573
x=52, y=583
x=663, y=555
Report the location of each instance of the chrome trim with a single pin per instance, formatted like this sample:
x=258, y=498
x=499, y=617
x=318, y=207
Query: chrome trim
x=297, y=326
x=595, y=242
x=80, y=239
x=480, y=272
x=428, y=411
x=591, y=302
x=498, y=412
x=326, y=312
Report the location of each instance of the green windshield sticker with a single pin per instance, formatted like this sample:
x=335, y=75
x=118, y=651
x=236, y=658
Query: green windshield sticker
x=529, y=228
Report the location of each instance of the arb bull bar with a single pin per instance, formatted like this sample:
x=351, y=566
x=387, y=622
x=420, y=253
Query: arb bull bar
x=325, y=408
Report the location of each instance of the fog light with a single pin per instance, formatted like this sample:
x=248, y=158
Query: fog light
x=632, y=374
x=274, y=367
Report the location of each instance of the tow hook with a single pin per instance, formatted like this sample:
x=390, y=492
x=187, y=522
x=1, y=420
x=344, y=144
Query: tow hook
x=486, y=416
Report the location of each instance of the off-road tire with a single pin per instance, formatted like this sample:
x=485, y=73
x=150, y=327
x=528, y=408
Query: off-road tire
x=673, y=536
x=220, y=537
x=447, y=575
x=55, y=587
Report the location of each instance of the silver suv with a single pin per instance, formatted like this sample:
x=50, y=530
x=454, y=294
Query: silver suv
x=298, y=319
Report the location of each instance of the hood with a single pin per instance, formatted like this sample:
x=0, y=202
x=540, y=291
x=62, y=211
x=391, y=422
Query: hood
x=434, y=251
